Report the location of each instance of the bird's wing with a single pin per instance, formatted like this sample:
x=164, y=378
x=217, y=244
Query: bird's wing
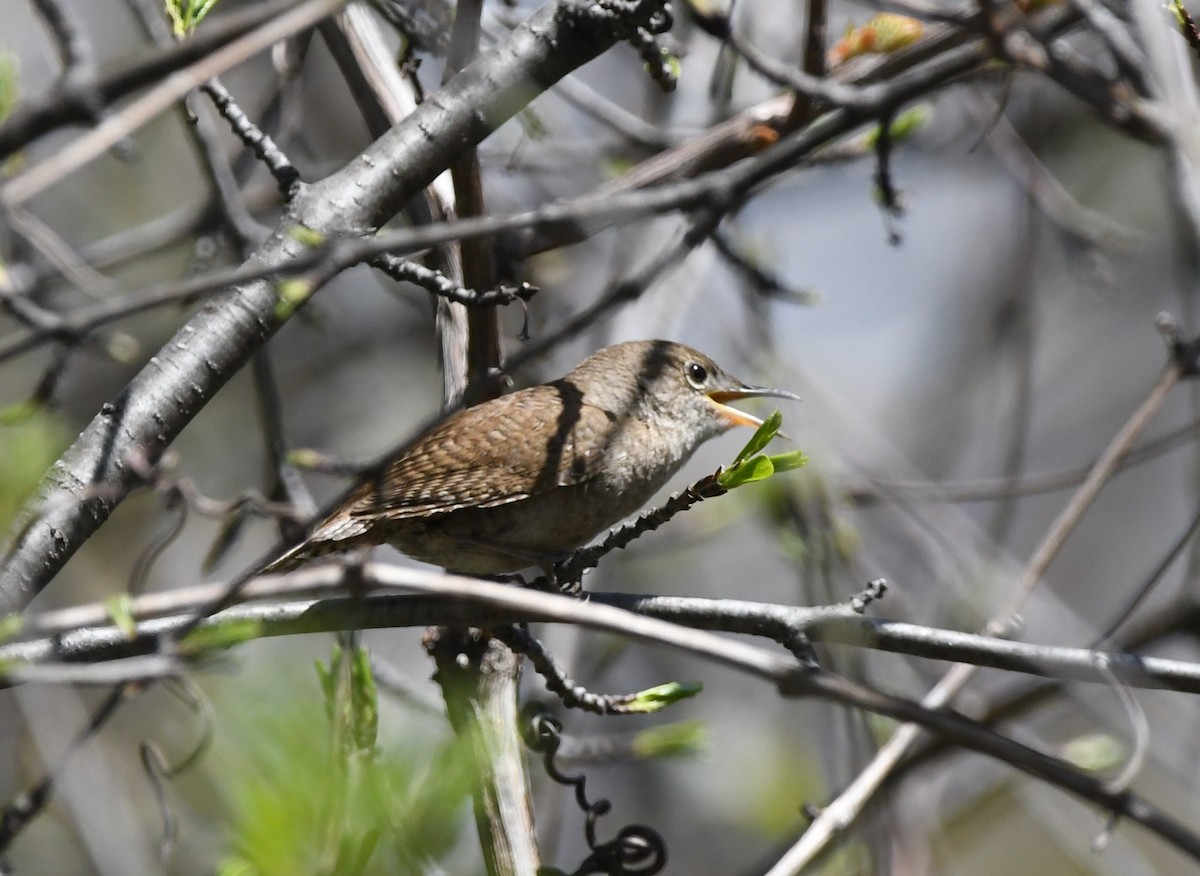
x=502, y=464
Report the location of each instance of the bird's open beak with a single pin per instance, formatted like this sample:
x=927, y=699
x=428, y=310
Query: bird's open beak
x=741, y=418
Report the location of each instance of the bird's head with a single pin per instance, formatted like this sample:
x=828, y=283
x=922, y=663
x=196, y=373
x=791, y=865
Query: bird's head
x=677, y=388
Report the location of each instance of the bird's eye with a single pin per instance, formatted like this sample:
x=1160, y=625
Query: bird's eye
x=697, y=374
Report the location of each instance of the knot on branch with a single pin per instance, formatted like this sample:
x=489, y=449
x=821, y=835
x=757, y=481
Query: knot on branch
x=621, y=18
x=637, y=22
x=1185, y=353
x=872, y=592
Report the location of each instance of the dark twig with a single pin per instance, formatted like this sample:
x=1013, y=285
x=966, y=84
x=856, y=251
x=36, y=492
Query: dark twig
x=247, y=232
x=408, y=271
x=572, y=694
x=885, y=188
x=285, y=484
x=427, y=25
x=28, y=804
x=156, y=769
x=615, y=117
x=569, y=572
x=1187, y=25
x=78, y=84
x=264, y=148
x=763, y=281
x=171, y=528
x=1156, y=575
x=38, y=116
x=656, y=58
x=1122, y=48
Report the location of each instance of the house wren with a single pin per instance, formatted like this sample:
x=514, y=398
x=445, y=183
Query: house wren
x=525, y=478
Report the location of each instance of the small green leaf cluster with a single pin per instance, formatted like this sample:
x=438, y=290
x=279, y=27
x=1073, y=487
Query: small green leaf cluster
x=186, y=15
x=750, y=465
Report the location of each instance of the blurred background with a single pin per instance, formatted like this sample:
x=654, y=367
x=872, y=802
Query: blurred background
x=989, y=340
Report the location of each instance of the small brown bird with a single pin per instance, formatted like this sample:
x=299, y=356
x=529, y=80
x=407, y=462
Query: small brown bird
x=525, y=478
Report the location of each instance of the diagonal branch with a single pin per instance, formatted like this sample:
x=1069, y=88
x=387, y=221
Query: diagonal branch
x=95, y=473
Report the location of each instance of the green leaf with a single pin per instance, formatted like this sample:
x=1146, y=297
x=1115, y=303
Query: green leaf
x=236, y=867
x=761, y=437
x=364, y=699
x=325, y=676
x=122, y=347
x=20, y=412
x=904, y=124
x=788, y=461
x=674, y=64
x=532, y=125
x=351, y=699
x=10, y=84
x=755, y=469
x=10, y=626
x=227, y=536
x=306, y=236
x=220, y=634
x=119, y=607
x=681, y=739
x=291, y=293
x=613, y=166
x=657, y=698
x=304, y=457
x=1096, y=752
x=29, y=443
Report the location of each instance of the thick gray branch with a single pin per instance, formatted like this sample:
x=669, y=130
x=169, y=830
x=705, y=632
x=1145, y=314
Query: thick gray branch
x=102, y=466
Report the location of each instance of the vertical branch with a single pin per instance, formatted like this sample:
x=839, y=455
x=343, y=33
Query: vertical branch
x=813, y=60
x=385, y=96
x=481, y=691
x=478, y=260
x=478, y=677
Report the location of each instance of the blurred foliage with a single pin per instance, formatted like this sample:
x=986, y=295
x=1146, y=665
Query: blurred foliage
x=904, y=124
x=10, y=84
x=351, y=700
x=298, y=802
x=680, y=739
x=809, y=525
x=120, y=611
x=220, y=633
x=784, y=781
x=884, y=33
x=10, y=625
x=31, y=438
x=1097, y=752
